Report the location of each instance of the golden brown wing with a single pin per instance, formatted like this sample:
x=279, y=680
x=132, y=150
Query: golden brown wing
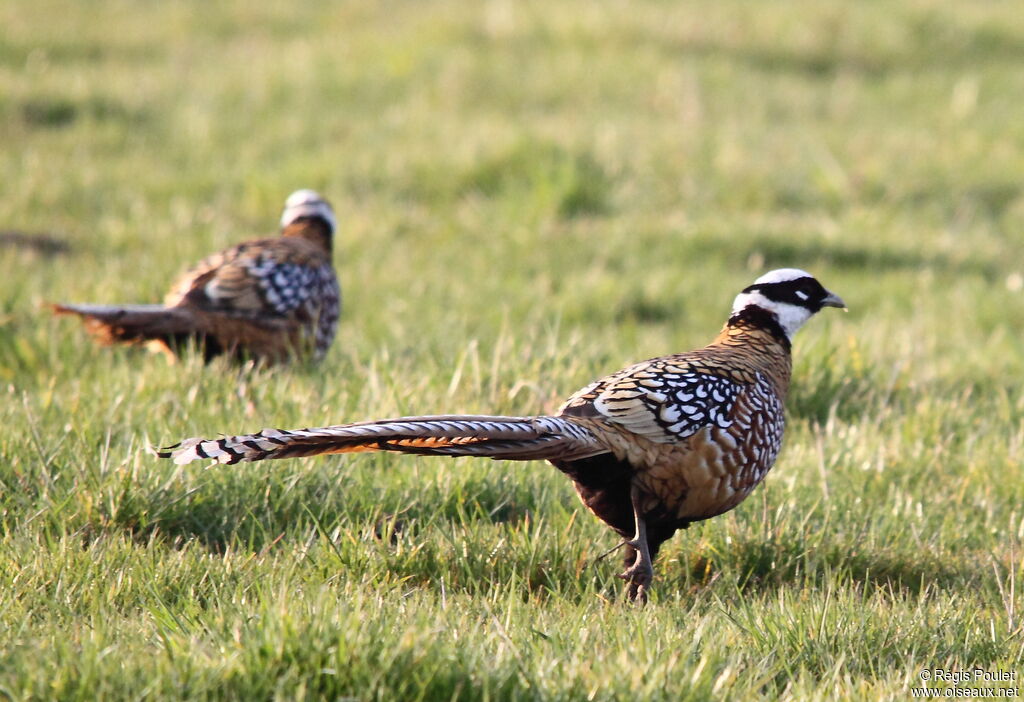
x=271, y=276
x=664, y=400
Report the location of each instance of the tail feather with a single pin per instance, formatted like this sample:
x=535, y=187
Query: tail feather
x=170, y=328
x=128, y=324
x=508, y=438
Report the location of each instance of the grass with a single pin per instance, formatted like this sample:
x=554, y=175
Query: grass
x=530, y=195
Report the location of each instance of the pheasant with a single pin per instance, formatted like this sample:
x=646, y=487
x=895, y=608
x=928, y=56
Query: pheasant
x=265, y=299
x=650, y=449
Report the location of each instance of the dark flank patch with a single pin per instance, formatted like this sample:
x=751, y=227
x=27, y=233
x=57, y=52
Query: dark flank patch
x=603, y=483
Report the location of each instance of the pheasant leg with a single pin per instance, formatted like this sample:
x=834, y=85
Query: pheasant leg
x=638, y=576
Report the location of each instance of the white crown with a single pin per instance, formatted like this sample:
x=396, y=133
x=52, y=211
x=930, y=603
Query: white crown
x=782, y=275
x=307, y=203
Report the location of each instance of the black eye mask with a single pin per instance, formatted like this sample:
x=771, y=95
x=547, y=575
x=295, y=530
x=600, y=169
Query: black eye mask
x=802, y=292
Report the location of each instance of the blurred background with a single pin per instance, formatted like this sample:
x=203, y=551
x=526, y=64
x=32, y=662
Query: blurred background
x=529, y=195
x=622, y=167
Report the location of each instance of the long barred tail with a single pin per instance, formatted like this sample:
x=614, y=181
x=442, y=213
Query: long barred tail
x=509, y=438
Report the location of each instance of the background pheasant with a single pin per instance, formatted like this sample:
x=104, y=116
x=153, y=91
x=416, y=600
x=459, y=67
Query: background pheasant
x=266, y=299
x=650, y=449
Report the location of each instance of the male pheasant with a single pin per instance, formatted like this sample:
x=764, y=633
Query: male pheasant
x=650, y=449
x=265, y=299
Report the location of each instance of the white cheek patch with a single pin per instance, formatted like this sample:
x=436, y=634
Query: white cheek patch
x=790, y=317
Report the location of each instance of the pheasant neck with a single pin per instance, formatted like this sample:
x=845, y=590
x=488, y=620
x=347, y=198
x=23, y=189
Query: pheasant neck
x=755, y=323
x=757, y=335
x=313, y=229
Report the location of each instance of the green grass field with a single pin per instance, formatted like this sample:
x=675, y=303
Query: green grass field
x=530, y=195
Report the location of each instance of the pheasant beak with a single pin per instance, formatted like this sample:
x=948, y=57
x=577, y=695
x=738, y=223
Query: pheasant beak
x=833, y=300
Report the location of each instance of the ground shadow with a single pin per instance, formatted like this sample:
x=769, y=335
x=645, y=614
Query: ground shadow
x=43, y=243
x=759, y=566
x=252, y=515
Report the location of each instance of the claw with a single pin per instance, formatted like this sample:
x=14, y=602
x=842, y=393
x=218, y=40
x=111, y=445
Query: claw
x=639, y=576
x=641, y=573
